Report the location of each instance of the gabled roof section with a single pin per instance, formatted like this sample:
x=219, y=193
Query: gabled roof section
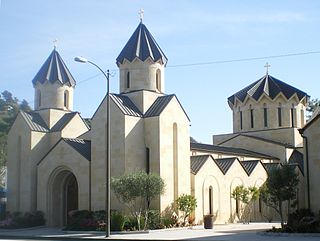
x=225, y=163
x=64, y=120
x=81, y=146
x=196, y=162
x=297, y=158
x=287, y=145
x=34, y=121
x=269, y=86
x=249, y=165
x=229, y=150
x=142, y=45
x=53, y=70
x=158, y=106
x=126, y=105
x=270, y=166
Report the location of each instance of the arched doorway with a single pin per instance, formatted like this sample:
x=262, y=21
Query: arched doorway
x=63, y=196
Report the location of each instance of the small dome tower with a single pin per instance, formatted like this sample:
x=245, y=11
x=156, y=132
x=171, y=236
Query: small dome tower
x=141, y=63
x=53, y=85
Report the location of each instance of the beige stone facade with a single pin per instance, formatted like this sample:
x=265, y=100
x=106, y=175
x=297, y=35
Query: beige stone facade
x=57, y=163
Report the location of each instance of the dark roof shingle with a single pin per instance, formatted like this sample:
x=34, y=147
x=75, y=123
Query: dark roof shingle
x=63, y=121
x=81, y=146
x=142, y=45
x=249, y=165
x=196, y=162
x=297, y=158
x=268, y=85
x=34, y=121
x=225, y=163
x=158, y=106
x=125, y=105
x=54, y=69
x=228, y=150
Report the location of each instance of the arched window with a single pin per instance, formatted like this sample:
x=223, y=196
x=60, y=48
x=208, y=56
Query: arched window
x=175, y=161
x=265, y=115
x=251, y=117
x=128, y=80
x=66, y=99
x=39, y=97
x=158, y=79
x=210, y=200
x=280, y=115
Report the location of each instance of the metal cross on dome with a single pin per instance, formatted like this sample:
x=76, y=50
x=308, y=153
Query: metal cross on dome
x=55, y=42
x=141, y=12
x=267, y=65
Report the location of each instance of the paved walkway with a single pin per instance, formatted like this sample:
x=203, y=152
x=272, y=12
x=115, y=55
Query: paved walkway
x=239, y=232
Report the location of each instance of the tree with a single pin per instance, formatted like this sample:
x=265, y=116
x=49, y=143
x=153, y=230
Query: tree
x=136, y=191
x=281, y=186
x=312, y=105
x=187, y=204
x=246, y=196
x=9, y=108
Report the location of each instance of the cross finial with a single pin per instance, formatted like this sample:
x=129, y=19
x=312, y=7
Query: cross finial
x=267, y=65
x=55, y=42
x=141, y=12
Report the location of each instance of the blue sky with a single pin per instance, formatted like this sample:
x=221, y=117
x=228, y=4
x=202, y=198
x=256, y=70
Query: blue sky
x=188, y=32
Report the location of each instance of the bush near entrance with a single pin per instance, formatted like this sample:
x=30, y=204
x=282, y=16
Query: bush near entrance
x=23, y=220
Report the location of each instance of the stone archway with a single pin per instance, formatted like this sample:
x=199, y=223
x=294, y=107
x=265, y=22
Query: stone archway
x=63, y=196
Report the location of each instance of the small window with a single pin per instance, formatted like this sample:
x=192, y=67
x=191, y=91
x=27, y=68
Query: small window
x=66, y=99
x=280, y=115
x=302, y=117
x=39, y=98
x=265, y=115
x=251, y=117
x=292, y=116
x=240, y=117
x=260, y=205
x=128, y=79
x=148, y=160
x=158, y=80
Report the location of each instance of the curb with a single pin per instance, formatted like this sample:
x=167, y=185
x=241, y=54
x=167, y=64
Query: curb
x=265, y=233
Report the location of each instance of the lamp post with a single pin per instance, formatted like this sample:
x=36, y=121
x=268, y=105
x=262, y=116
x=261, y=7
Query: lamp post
x=106, y=75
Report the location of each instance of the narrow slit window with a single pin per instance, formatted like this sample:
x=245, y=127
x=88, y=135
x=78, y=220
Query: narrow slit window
x=147, y=160
x=251, y=117
x=265, y=116
x=128, y=79
x=292, y=117
x=210, y=200
x=279, y=116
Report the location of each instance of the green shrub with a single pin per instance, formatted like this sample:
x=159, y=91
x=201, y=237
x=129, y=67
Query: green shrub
x=20, y=220
x=117, y=221
x=130, y=223
x=154, y=220
x=302, y=221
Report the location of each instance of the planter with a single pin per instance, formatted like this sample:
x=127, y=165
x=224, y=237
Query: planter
x=208, y=221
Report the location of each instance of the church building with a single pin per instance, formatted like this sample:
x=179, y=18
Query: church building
x=57, y=162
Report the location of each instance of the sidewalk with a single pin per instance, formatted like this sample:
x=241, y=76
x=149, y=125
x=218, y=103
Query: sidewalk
x=239, y=232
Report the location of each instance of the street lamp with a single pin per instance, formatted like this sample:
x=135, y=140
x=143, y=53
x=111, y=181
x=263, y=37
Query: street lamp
x=106, y=75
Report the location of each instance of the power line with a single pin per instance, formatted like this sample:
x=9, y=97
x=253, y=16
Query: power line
x=215, y=62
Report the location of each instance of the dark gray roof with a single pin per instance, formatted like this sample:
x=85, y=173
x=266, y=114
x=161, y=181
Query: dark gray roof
x=158, y=106
x=81, y=146
x=261, y=139
x=54, y=69
x=34, y=121
x=267, y=85
x=225, y=163
x=142, y=45
x=196, y=162
x=64, y=120
x=126, y=105
x=193, y=140
x=297, y=158
x=249, y=165
x=271, y=166
x=228, y=150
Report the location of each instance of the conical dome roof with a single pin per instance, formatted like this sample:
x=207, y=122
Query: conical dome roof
x=54, y=69
x=142, y=45
x=269, y=86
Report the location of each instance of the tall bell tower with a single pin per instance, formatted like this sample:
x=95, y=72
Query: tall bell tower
x=141, y=63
